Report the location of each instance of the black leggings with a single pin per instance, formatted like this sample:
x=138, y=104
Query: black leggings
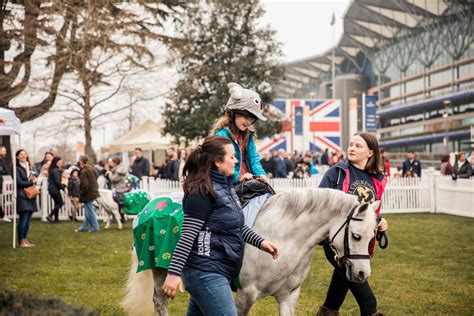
x=340, y=285
x=58, y=203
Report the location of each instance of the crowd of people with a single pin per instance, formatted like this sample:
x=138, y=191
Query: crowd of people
x=300, y=165
x=77, y=180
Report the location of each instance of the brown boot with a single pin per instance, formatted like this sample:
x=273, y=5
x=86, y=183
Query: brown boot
x=377, y=314
x=324, y=311
x=29, y=244
x=23, y=244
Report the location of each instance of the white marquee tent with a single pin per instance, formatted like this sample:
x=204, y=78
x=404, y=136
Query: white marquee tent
x=10, y=126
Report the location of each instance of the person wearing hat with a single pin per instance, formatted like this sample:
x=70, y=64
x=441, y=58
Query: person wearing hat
x=243, y=109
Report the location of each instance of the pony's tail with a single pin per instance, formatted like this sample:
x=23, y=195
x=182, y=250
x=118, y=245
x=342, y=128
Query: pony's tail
x=139, y=290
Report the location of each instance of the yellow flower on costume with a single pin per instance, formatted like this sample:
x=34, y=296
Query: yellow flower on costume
x=166, y=255
x=143, y=236
x=175, y=229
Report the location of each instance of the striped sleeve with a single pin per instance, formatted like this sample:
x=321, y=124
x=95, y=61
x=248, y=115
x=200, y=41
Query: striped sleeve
x=191, y=228
x=251, y=237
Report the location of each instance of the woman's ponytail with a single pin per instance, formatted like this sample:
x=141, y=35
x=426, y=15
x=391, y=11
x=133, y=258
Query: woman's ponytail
x=200, y=163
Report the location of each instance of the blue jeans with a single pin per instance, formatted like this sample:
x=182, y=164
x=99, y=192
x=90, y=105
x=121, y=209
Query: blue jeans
x=210, y=293
x=90, y=218
x=24, y=224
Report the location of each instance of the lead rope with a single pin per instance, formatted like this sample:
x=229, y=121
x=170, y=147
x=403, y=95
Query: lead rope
x=382, y=239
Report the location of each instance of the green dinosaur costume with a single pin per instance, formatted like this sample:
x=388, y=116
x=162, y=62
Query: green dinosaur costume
x=156, y=231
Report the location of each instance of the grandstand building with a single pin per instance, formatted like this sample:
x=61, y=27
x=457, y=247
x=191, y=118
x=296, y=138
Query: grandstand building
x=415, y=56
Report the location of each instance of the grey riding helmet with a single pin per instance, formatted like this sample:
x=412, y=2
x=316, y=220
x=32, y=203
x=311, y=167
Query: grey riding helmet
x=244, y=101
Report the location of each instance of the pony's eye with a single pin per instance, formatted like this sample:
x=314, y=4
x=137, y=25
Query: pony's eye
x=356, y=237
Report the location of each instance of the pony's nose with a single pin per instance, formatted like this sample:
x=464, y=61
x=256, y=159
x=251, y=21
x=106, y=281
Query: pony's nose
x=361, y=275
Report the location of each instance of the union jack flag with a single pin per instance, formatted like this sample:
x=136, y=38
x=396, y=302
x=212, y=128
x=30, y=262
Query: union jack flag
x=325, y=124
x=309, y=125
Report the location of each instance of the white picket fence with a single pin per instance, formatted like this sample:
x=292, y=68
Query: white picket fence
x=430, y=193
x=44, y=202
x=454, y=197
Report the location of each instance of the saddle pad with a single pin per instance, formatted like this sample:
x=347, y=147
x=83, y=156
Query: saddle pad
x=252, y=208
x=156, y=231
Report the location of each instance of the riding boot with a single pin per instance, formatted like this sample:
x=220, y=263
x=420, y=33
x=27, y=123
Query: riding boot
x=324, y=311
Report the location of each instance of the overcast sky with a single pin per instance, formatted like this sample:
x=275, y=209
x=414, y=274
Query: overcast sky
x=304, y=26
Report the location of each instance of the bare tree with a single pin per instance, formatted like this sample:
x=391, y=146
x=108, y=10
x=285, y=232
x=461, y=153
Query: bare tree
x=26, y=26
x=101, y=44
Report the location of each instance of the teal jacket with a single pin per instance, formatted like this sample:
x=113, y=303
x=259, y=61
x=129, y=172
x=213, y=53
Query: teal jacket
x=253, y=160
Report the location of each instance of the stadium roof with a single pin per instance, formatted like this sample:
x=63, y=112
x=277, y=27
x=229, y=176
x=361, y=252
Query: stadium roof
x=366, y=24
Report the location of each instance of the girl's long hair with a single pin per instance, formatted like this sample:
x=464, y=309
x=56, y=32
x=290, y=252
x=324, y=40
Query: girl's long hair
x=54, y=164
x=200, y=163
x=374, y=164
x=228, y=120
x=86, y=163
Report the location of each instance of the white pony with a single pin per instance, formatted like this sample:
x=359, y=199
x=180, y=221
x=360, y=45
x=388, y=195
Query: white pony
x=107, y=203
x=296, y=221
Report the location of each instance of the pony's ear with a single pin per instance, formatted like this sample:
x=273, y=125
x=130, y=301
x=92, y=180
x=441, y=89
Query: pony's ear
x=362, y=209
x=235, y=90
x=375, y=205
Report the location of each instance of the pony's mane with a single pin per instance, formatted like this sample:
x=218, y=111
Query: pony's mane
x=311, y=200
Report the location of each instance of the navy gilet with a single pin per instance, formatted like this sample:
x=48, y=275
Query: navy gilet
x=219, y=246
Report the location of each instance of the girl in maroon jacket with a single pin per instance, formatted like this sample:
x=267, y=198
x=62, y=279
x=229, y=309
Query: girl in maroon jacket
x=361, y=174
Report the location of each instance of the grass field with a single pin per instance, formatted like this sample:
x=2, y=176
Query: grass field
x=426, y=270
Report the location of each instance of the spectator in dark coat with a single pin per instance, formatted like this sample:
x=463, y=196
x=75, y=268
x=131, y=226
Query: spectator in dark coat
x=4, y=171
x=462, y=168
x=141, y=165
x=280, y=166
x=411, y=166
x=172, y=167
x=89, y=192
x=54, y=188
x=25, y=207
x=268, y=164
x=289, y=163
x=325, y=158
x=161, y=171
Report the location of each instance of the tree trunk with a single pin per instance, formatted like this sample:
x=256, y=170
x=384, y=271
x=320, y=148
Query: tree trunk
x=9, y=88
x=88, y=121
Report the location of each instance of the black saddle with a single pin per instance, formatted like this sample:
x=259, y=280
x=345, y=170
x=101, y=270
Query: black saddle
x=249, y=189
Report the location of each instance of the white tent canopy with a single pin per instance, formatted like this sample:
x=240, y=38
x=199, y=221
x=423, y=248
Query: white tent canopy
x=10, y=125
x=148, y=136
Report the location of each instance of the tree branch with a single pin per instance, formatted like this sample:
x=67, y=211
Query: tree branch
x=110, y=112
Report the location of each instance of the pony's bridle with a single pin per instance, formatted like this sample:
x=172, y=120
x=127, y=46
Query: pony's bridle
x=347, y=253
